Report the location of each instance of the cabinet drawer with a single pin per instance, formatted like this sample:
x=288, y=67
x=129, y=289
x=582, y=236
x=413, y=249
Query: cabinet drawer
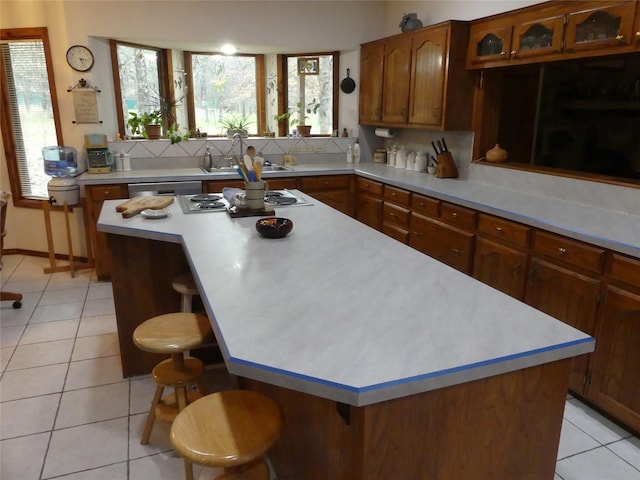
x=425, y=205
x=504, y=229
x=327, y=182
x=569, y=251
x=395, y=232
x=108, y=192
x=396, y=215
x=397, y=195
x=625, y=270
x=458, y=216
x=369, y=186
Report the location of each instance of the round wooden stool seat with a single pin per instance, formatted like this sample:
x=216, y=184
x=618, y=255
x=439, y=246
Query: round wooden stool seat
x=166, y=374
x=173, y=333
x=231, y=429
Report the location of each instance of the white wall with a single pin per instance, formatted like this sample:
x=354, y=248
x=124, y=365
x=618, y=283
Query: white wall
x=299, y=26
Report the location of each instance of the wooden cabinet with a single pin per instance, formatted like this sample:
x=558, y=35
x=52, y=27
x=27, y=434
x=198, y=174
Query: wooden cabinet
x=395, y=213
x=501, y=254
x=369, y=202
x=395, y=86
x=423, y=81
x=95, y=197
x=554, y=30
x=564, y=282
x=614, y=376
x=600, y=25
x=371, y=69
x=334, y=190
x=441, y=94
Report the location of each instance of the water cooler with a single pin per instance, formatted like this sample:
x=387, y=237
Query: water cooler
x=62, y=164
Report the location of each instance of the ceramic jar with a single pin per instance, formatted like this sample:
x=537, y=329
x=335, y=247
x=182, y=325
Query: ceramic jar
x=496, y=154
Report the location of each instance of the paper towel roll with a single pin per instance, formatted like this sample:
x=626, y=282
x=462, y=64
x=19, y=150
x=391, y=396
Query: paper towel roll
x=384, y=132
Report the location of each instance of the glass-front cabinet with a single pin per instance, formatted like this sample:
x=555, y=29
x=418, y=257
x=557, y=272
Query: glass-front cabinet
x=489, y=45
x=539, y=37
x=608, y=25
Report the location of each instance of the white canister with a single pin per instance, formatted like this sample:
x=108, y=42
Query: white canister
x=122, y=163
x=411, y=158
x=391, y=156
x=401, y=158
x=64, y=189
x=254, y=194
x=420, y=164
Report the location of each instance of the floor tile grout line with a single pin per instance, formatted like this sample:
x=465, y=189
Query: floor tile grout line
x=599, y=422
x=622, y=458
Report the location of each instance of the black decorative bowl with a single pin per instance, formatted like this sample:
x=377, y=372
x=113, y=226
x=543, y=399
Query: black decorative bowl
x=274, y=227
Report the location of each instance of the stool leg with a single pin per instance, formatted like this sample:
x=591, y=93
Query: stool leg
x=202, y=388
x=188, y=470
x=181, y=396
x=151, y=416
x=187, y=302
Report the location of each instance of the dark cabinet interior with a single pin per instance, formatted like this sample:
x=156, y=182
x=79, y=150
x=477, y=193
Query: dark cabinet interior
x=576, y=116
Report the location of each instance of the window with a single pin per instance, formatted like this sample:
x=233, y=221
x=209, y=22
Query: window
x=224, y=92
x=30, y=118
x=140, y=83
x=311, y=96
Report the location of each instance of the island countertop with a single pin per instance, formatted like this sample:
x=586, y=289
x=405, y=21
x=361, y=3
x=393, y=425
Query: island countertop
x=341, y=311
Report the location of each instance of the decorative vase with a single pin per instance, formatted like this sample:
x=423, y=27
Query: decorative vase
x=154, y=132
x=410, y=22
x=496, y=155
x=304, y=130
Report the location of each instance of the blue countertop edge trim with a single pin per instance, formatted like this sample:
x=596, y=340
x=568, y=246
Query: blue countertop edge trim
x=416, y=378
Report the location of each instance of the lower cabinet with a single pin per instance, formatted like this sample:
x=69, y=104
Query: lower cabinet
x=369, y=203
x=334, y=190
x=396, y=213
x=615, y=378
x=450, y=245
x=95, y=196
x=501, y=267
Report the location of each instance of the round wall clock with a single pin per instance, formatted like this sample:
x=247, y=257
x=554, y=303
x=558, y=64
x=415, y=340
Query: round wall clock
x=80, y=58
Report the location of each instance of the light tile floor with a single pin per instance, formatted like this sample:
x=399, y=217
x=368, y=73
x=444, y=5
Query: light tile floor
x=66, y=412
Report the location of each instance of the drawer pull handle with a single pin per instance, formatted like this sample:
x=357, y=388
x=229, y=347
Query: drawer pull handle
x=393, y=194
x=499, y=229
x=326, y=183
x=516, y=269
x=457, y=250
x=417, y=234
x=620, y=38
x=392, y=214
x=562, y=250
x=421, y=204
x=454, y=214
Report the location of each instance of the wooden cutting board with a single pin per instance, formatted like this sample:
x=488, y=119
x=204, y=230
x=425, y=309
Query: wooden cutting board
x=137, y=204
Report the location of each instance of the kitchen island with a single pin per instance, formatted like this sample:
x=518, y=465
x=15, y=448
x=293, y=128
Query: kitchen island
x=387, y=363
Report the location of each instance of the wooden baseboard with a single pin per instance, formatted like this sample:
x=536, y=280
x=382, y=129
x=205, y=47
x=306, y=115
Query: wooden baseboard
x=34, y=253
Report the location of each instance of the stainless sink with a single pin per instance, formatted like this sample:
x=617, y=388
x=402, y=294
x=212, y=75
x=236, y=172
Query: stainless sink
x=265, y=168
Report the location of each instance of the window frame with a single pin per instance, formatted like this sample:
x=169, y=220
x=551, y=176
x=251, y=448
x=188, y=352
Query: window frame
x=8, y=131
x=283, y=82
x=165, y=79
x=260, y=88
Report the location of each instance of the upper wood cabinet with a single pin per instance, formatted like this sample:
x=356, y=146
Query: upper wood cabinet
x=420, y=81
x=371, y=63
x=554, y=30
x=605, y=25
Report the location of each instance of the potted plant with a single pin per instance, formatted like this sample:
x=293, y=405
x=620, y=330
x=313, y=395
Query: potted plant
x=175, y=135
x=299, y=117
x=236, y=124
x=147, y=124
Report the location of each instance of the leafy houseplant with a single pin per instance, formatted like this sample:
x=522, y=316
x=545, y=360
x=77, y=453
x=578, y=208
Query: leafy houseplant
x=147, y=124
x=236, y=124
x=174, y=134
x=300, y=116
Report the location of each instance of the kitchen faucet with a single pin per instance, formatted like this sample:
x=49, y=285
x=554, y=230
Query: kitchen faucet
x=237, y=138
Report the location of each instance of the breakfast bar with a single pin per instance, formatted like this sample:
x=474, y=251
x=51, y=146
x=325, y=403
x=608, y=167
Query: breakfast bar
x=386, y=363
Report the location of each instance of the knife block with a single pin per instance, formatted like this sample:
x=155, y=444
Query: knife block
x=446, y=167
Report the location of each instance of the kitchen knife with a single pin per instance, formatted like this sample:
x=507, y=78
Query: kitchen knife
x=434, y=148
x=444, y=144
x=439, y=143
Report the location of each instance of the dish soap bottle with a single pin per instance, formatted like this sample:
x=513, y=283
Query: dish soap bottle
x=356, y=152
x=349, y=154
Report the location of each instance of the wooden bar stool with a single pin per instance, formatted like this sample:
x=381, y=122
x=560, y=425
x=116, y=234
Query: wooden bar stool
x=185, y=284
x=232, y=429
x=173, y=334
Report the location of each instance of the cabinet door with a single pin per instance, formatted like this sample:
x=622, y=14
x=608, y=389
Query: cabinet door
x=615, y=383
x=447, y=244
x=608, y=25
x=338, y=199
x=428, y=58
x=540, y=37
x=397, y=72
x=96, y=195
x=369, y=210
x=488, y=44
x=500, y=267
x=371, y=68
x=571, y=298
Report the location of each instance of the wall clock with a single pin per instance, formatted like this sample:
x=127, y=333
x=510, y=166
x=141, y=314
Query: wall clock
x=80, y=58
